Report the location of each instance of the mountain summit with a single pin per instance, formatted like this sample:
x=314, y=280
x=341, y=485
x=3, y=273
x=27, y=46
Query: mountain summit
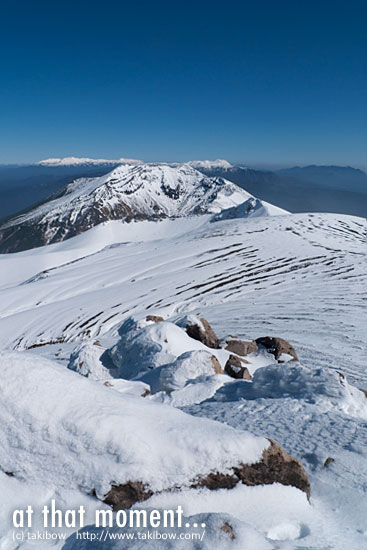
x=128, y=192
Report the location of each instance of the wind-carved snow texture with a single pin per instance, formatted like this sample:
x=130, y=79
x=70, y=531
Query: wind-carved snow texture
x=302, y=277
x=83, y=304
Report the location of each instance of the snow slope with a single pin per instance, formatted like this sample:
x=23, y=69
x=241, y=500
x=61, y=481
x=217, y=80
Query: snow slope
x=301, y=277
x=250, y=208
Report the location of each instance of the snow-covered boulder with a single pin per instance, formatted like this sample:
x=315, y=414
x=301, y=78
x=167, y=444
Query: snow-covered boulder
x=86, y=359
x=188, y=367
x=313, y=385
x=69, y=431
x=147, y=345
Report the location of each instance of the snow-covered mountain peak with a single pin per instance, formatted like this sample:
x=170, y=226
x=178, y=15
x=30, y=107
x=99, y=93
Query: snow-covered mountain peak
x=81, y=161
x=211, y=164
x=158, y=190
x=129, y=192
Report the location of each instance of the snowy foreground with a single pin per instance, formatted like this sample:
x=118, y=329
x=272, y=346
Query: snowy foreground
x=91, y=391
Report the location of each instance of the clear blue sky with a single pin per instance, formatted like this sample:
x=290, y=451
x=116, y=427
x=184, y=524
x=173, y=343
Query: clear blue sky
x=253, y=81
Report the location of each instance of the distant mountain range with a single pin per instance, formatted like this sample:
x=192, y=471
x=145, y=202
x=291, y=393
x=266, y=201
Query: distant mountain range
x=77, y=161
x=299, y=189
x=331, y=189
x=335, y=177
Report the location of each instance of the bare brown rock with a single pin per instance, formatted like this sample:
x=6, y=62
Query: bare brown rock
x=204, y=333
x=277, y=346
x=235, y=368
x=241, y=347
x=276, y=466
x=328, y=461
x=216, y=481
x=228, y=529
x=216, y=365
x=121, y=497
x=155, y=318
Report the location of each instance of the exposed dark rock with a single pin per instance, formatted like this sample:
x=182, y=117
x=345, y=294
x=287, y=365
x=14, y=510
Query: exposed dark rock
x=236, y=369
x=277, y=346
x=9, y=474
x=50, y=343
x=328, y=461
x=121, y=497
x=155, y=318
x=241, y=347
x=364, y=391
x=216, y=365
x=204, y=333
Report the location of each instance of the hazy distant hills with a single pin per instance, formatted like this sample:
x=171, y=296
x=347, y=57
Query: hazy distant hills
x=310, y=189
x=337, y=177
x=22, y=186
x=299, y=189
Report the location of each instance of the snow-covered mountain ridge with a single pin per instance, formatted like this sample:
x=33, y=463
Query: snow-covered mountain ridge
x=77, y=161
x=141, y=191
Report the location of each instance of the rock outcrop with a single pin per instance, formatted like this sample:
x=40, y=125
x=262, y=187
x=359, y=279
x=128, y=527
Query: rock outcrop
x=228, y=529
x=276, y=466
x=241, y=347
x=154, y=318
x=277, y=346
x=235, y=368
x=202, y=331
x=121, y=497
x=216, y=365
